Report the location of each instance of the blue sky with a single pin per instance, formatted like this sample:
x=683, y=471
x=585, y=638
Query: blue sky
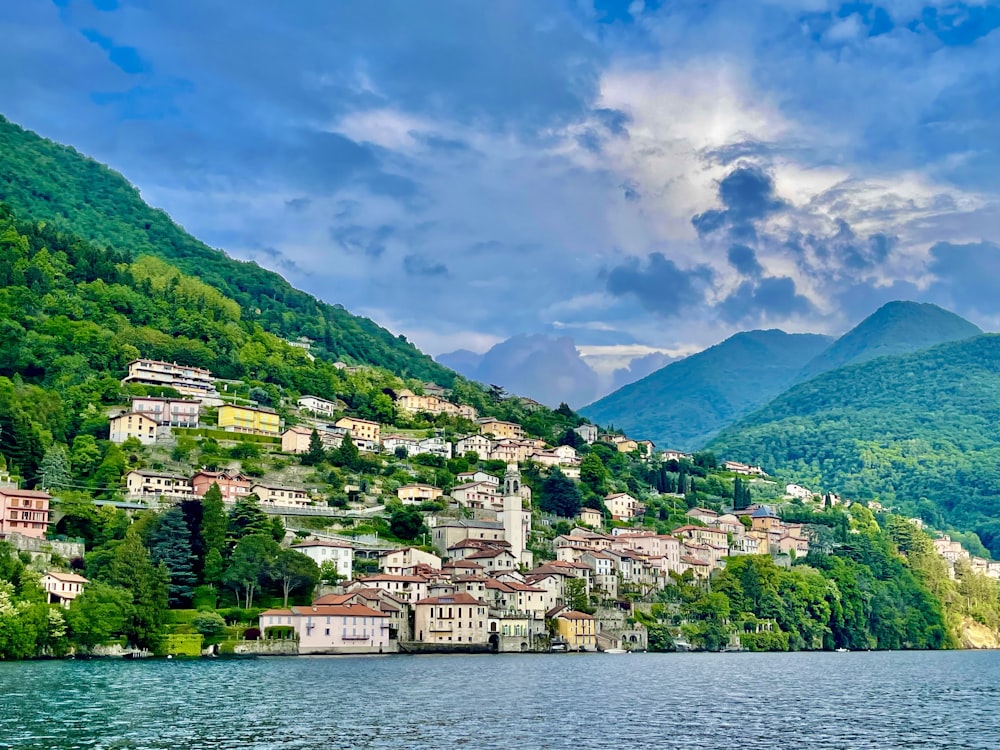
x=640, y=176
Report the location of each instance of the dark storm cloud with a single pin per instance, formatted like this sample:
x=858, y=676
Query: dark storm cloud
x=747, y=194
x=659, y=285
x=744, y=260
x=771, y=298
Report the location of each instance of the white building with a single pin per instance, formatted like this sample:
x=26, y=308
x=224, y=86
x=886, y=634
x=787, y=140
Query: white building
x=318, y=405
x=340, y=554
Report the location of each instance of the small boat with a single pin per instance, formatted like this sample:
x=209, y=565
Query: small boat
x=842, y=650
x=615, y=651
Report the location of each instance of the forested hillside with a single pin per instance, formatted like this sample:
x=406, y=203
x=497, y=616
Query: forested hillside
x=895, y=328
x=687, y=402
x=72, y=315
x=918, y=432
x=55, y=184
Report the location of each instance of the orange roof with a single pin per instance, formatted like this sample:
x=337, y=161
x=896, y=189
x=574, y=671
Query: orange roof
x=461, y=598
x=574, y=615
x=339, y=610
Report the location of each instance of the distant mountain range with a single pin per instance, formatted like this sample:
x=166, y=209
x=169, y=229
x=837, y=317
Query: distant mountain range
x=687, y=403
x=548, y=369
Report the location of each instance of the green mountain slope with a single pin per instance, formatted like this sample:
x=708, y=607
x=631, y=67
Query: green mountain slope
x=917, y=431
x=895, y=328
x=48, y=182
x=686, y=403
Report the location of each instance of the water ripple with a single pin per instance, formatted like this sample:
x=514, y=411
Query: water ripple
x=858, y=701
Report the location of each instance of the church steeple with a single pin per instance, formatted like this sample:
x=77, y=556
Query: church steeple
x=512, y=481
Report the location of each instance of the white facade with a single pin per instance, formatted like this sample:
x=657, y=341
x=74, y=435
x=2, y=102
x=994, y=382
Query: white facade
x=340, y=554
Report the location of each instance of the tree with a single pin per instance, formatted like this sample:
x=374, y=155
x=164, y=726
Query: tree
x=328, y=573
x=293, y=570
x=99, y=614
x=576, y=596
x=211, y=625
x=213, y=523
x=406, y=523
x=55, y=468
x=84, y=456
x=594, y=474
x=315, y=455
x=130, y=567
x=346, y=454
x=559, y=495
x=741, y=494
x=250, y=566
x=246, y=518
x=169, y=543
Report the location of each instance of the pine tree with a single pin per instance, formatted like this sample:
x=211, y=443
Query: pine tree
x=346, y=454
x=131, y=568
x=55, y=469
x=213, y=521
x=169, y=543
x=247, y=518
x=315, y=455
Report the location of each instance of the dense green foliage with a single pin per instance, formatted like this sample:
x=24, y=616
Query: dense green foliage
x=684, y=404
x=917, y=432
x=861, y=594
x=895, y=328
x=61, y=187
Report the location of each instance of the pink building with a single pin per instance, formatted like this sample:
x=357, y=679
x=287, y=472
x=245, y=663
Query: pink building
x=233, y=484
x=170, y=412
x=330, y=628
x=24, y=512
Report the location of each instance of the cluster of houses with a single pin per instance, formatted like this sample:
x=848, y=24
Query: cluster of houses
x=485, y=593
x=154, y=487
x=953, y=553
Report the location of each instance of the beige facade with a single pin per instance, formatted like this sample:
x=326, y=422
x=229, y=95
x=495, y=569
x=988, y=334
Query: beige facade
x=155, y=485
x=414, y=494
x=279, y=494
x=500, y=429
x=168, y=412
x=623, y=507
x=404, y=561
x=361, y=429
x=133, y=425
x=479, y=444
x=63, y=588
x=452, y=618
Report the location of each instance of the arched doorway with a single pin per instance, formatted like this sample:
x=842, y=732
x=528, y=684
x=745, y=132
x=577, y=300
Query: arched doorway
x=495, y=644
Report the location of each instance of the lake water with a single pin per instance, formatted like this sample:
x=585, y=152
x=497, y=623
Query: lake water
x=578, y=701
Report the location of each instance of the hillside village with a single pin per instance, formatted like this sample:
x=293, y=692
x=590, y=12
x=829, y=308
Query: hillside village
x=494, y=562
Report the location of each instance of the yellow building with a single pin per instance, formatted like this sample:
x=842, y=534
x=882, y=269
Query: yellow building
x=578, y=630
x=248, y=419
x=500, y=429
x=361, y=429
